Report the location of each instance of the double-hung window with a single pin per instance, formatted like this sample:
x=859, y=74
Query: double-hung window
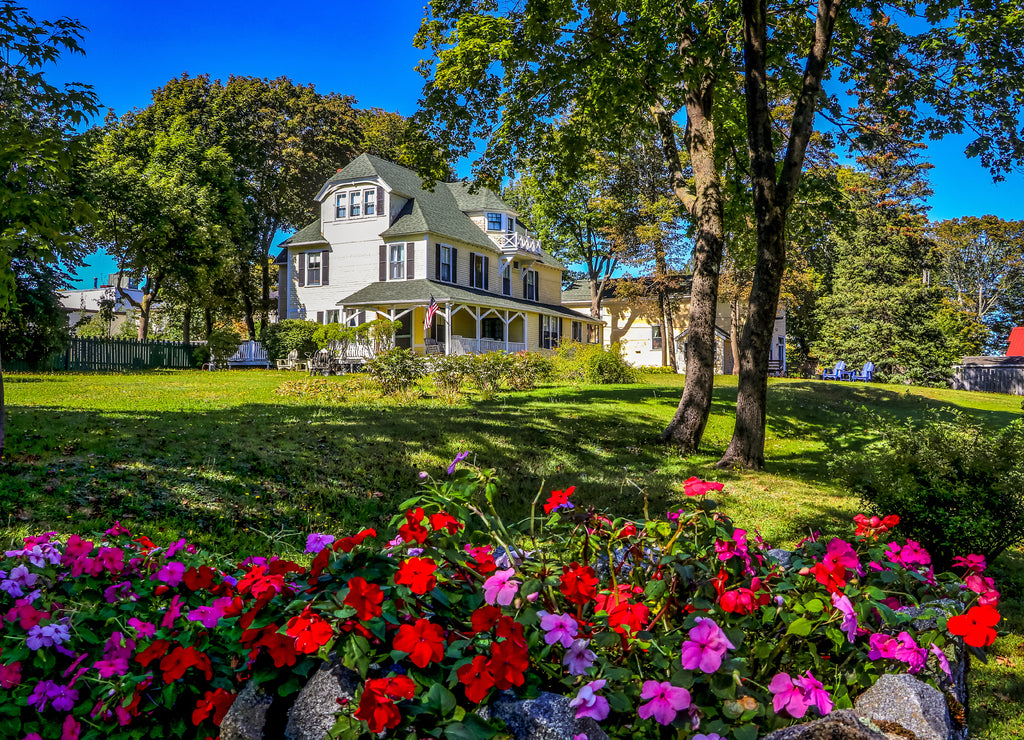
x=494, y=222
x=655, y=337
x=446, y=263
x=354, y=203
x=478, y=271
x=369, y=202
x=530, y=285
x=550, y=330
x=397, y=262
x=312, y=268
x=506, y=280
x=341, y=205
x=577, y=331
x=510, y=224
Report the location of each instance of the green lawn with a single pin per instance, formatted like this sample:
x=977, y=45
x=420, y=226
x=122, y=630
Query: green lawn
x=224, y=460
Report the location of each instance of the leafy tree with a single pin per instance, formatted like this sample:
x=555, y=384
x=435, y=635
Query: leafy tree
x=503, y=76
x=401, y=140
x=39, y=204
x=982, y=261
x=35, y=326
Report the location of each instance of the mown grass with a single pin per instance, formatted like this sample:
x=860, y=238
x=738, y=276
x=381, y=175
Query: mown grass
x=224, y=460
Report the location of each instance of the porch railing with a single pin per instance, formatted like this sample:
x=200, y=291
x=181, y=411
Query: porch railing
x=516, y=243
x=473, y=346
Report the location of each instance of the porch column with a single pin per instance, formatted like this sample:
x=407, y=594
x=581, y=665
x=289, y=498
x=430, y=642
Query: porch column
x=447, y=328
x=506, y=320
x=476, y=315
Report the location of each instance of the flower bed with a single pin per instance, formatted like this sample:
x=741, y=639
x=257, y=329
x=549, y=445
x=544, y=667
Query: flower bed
x=683, y=623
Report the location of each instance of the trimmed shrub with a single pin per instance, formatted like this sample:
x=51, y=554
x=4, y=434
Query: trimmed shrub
x=290, y=334
x=593, y=363
x=223, y=343
x=450, y=374
x=956, y=486
x=334, y=337
x=396, y=369
x=526, y=370
x=488, y=370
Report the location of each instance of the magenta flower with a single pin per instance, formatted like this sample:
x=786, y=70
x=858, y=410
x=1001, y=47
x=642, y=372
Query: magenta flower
x=941, y=657
x=111, y=559
x=208, y=616
x=588, y=704
x=71, y=728
x=709, y=736
x=175, y=548
x=501, y=588
x=814, y=693
x=787, y=696
x=665, y=703
x=145, y=630
x=558, y=628
x=706, y=647
x=116, y=666
x=171, y=573
x=973, y=563
x=579, y=658
x=317, y=542
x=118, y=592
x=173, y=612
x=117, y=529
x=10, y=675
x=842, y=602
x=842, y=552
x=901, y=648
x=909, y=555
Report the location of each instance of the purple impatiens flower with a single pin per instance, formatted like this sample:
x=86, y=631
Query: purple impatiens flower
x=47, y=635
x=558, y=628
x=458, y=458
x=588, y=704
x=317, y=542
x=706, y=647
x=579, y=658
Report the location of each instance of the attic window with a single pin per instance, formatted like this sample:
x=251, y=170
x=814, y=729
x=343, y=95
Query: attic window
x=494, y=222
x=342, y=205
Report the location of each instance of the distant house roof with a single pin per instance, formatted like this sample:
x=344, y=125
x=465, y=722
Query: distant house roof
x=441, y=211
x=579, y=291
x=1016, y=347
x=419, y=292
x=89, y=299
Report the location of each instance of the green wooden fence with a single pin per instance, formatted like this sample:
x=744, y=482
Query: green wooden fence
x=115, y=354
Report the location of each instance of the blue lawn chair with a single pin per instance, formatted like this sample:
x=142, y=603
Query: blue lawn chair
x=866, y=374
x=835, y=373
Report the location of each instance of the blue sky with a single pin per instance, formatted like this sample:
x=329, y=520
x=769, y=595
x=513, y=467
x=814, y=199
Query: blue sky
x=363, y=49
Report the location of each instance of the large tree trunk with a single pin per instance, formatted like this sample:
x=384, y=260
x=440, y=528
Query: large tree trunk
x=773, y=194
x=686, y=428
x=208, y=321
x=145, y=309
x=186, y=325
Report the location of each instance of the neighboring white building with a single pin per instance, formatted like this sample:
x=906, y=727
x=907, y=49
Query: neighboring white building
x=385, y=246
x=636, y=325
x=83, y=304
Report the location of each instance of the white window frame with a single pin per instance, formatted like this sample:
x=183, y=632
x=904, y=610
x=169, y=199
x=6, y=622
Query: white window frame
x=354, y=203
x=510, y=225
x=370, y=202
x=332, y=317
x=318, y=256
x=657, y=338
x=490, y=217
x=396, y=267
x=341, y=205
x=446, y=263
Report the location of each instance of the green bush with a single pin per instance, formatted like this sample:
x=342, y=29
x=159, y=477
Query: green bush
x=396, y=369
x=593, y=363
x=450, y=374
x=488, y=370
x=957, y=486
x=290, y=334
x=526, y=370
x=222, y=344
x=335, y=337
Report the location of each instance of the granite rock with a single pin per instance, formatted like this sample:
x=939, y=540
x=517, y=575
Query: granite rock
x=315, y=709
x=782, y=557
x=548, y=717
x=247, y=715
x=839, y=725
x=903, y=706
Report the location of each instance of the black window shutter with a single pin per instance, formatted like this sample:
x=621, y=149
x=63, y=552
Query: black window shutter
x=472, y=269
x=455, y=265
x=437, y=261
x=383, y=262
x=302, y=268
x=487, y=267
x=410, y=260
x=319, y=317
x=561, y=329
x=524, y=284
x=380, y=201
x=325, y=268
x=540, y=331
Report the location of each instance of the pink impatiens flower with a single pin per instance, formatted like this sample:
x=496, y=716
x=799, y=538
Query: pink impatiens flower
x=706, y=647
x=665, y=701
x=558, y=628
x=842, y=602
x=973, y=563
x=908, y=555
x=588, y=704
x=941, y=657
x=317, y=542
x=501, y=588
x=787, y=696
x=901, y=648
x=814, y=693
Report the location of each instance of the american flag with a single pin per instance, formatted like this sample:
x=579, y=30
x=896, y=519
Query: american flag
x=431, y=310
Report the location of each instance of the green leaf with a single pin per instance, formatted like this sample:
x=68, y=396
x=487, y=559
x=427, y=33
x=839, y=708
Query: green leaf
x=655, y=590
x=746, y=732
x=619, y=702
x=814, y=606
x=440, y=699
x=606, y=639
x=800, y=627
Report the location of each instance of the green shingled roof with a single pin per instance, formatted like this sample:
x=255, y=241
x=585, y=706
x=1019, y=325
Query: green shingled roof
x=481, y=200
x=311, y=234
x=418, y=292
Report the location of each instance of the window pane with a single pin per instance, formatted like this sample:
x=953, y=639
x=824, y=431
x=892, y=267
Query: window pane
x=370, y=198
x=494, y=222
x=340, y=207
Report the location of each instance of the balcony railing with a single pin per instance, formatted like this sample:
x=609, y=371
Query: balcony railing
x=515, y=242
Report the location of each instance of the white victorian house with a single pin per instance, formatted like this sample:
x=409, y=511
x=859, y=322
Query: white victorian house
x=386, y=246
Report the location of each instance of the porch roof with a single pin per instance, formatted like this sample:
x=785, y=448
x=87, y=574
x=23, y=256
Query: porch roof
x=419, y=292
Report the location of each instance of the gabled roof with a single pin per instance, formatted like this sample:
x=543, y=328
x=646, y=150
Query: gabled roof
x=419, y=292
x=311, y=234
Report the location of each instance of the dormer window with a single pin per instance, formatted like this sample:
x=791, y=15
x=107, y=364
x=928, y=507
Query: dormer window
x=341, y=207
x=355, y=203
x=369, y=196
x=494, y=222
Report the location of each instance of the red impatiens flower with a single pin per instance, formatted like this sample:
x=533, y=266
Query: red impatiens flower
x=694, y=486
x=281, y=648
x=485, y=617
x=872, y=527
x=348, y=544
x=623, y=615
x=483, y=559
x=579, y=583
x=424, y=641
x=511, y=630
x=507, y=664
x=477, y=678
x=157, y=650
x=977, y=626
x=366, y=598
x=179, y=660
x=216, y=702
x=830, y=575
x=417, y=574
x=201, y=577
x=310, y=630
x=444, y=520
x=413, y=530
x=742, y=600
x=376, y=706
x=559, y=500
